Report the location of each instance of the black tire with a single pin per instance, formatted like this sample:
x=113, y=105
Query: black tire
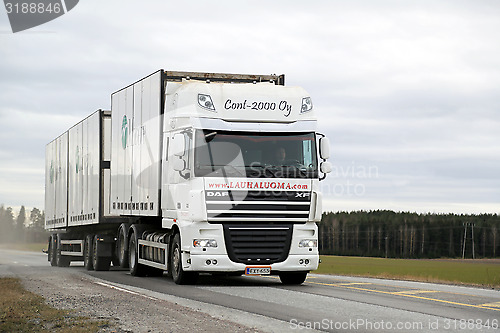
x=88, y=252
x=290, y=278
x=99, y=263
x=135, y=268
x=61, y=260
x=52, y=250
x=122, y=246
x=178, y=274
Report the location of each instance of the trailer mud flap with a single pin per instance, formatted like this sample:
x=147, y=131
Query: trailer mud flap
x=104, y=246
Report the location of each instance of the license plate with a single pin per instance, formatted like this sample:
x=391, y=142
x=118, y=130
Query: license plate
x=258, y=270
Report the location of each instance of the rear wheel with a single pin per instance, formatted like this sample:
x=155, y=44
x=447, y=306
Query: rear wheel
x=293, y=277
x=178, y=274
x=88, y=252
x=136, y=269
x=122, y=246
x=99, y=263
x=52, y=250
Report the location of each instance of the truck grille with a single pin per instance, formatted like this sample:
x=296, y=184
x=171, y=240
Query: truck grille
x=256, y=244
x=257, y=206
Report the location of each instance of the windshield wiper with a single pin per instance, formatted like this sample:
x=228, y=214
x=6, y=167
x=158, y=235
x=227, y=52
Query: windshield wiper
x=301, y=171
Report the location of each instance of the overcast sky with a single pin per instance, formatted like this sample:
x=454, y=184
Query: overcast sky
x=407, y=91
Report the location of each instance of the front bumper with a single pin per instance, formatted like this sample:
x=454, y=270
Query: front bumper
x=221, y=263
x=218, y=260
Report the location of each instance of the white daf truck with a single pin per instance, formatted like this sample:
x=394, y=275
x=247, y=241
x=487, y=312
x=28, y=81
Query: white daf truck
x=191, y=173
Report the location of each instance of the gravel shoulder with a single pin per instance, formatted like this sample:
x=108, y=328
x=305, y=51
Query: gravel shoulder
x=125, y=309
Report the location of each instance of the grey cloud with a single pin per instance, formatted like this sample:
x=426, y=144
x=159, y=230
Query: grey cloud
x=410, y=87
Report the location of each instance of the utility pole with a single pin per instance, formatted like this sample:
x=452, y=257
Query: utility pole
x=465, y=239
x=466, y=224
x=473, y=254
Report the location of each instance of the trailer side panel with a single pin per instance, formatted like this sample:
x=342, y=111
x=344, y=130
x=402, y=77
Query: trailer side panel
x=136, y=117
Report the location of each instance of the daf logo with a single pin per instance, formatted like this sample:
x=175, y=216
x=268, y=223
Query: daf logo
x=217, y=194
x=302, y=194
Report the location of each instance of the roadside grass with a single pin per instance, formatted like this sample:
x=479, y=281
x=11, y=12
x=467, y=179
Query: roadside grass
x=23, y=311
x=469, y=272
x=33, y=247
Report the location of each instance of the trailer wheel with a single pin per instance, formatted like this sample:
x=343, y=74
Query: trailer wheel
x=136, y=269
x=178, y=274
x=88, y=252
x=100, y=263
x=122, y=246
x=293, y=277
x=52, y=250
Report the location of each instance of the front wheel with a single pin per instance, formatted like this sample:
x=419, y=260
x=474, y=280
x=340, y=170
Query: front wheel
x=292, y=277
x=179, y=275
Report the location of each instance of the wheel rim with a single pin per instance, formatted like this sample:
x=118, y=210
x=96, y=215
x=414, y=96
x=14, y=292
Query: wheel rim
x=132, y=254
x=176, y=259
x=121, y=253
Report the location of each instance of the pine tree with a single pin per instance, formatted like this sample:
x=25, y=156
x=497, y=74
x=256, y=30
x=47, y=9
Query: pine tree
x=37, y=219
x=19, y=225
x=7, y=224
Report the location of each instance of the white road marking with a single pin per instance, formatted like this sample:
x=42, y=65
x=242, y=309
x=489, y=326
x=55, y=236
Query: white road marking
x=124, y=290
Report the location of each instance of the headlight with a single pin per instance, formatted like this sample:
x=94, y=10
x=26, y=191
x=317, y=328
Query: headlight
x=307, y=104
x=204, y=243
x=308, y=243
x=205, y=101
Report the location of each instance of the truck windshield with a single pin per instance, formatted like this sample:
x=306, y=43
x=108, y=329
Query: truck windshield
x=243, y=154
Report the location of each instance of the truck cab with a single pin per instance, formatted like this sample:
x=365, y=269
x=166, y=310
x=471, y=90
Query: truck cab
x=240, y=177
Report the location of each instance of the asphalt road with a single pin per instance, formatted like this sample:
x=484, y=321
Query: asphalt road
x=325, y=303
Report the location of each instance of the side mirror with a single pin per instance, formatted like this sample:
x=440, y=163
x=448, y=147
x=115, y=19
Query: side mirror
x=324, y=148
x=178, y=144
x=326, y=167
x=179, y=164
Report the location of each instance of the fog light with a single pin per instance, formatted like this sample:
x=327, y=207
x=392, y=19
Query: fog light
x=308, y=243
x=204, y=243
x=208, y=262
x=301, y=261
x=214, y=262
x=306, y=261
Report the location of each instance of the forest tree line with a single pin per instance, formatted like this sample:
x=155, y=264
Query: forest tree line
x=379, y=233
x=25, y=226
x=409, y=235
